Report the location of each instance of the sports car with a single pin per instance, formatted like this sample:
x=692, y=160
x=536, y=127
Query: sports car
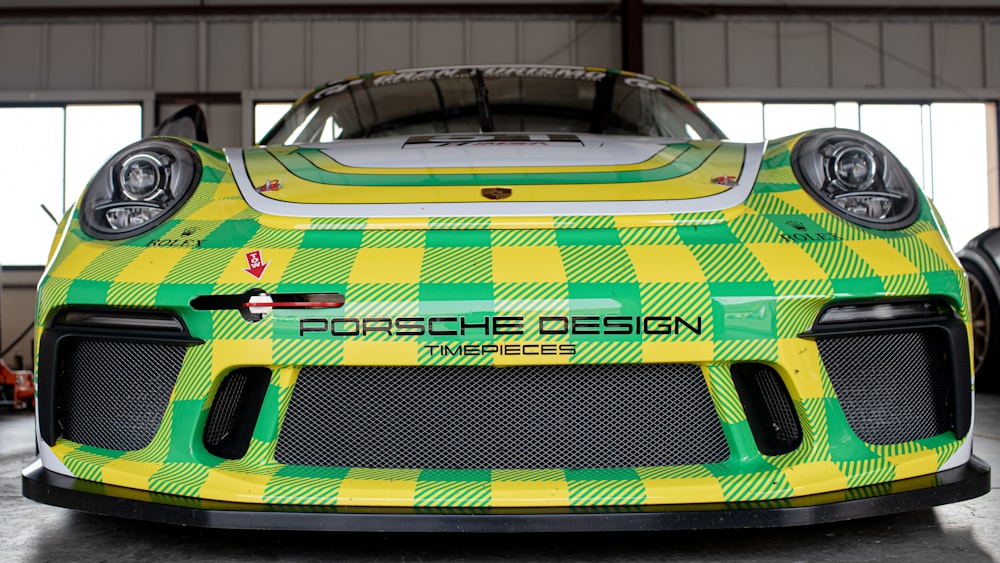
x=980, y=259
x=503, y=298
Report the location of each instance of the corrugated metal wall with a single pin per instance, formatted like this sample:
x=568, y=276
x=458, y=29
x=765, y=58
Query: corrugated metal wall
x=948, y=59
x=273, y=55
x=220, y=55
x=217, y=54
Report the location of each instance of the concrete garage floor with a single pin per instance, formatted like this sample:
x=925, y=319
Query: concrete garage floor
x=968, y=531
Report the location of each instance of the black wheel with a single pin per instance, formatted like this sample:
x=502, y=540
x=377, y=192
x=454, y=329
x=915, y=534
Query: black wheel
x=983, y=309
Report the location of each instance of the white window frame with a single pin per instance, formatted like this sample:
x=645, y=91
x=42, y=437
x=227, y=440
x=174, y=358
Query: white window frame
x=64, y=98
x=253, y=97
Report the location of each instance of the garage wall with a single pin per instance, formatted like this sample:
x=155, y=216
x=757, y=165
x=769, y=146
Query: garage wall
x=278, y=57
x=809, y=56
x=17, y=301
x=221, y=54
x=216, y=54
x=734, y=57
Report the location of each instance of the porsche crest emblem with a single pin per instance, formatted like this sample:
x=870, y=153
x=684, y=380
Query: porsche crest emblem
x=496, y=193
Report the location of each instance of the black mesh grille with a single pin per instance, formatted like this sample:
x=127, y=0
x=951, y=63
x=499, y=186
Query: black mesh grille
x=769, y=409
x=893, y=387
x=234, y=412
x=526, y=417
x=113, y=394
x=222, y=417
x=782, y=413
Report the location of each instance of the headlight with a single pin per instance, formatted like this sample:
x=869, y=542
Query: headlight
x=854, y=176
x=139, y=188
x=143, y=176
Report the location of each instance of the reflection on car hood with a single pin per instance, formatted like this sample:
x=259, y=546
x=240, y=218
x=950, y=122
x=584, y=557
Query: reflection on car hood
x=490, y=150
x=495, y=175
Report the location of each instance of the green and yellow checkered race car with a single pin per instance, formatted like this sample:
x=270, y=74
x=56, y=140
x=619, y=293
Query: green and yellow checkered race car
x=503, y=298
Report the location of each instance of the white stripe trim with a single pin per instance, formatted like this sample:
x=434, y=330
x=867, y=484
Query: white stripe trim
x=730, y=198
x=48, y=457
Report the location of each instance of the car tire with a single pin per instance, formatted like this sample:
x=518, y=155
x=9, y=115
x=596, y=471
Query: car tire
x=985, y=312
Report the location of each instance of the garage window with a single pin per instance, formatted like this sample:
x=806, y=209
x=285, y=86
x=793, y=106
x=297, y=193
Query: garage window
x=265, y=115
x=942, y=144
x=48, y=156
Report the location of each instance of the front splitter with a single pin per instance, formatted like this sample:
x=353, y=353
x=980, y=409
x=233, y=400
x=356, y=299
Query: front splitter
x=961, y=483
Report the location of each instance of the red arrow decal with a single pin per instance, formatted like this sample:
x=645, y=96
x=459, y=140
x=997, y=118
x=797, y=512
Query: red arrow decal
x=256, y=263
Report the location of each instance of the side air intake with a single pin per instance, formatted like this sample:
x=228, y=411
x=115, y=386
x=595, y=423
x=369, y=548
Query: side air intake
x=234, y=412
x=769, y=408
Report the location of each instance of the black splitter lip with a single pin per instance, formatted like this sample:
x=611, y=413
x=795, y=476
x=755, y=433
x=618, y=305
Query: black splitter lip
x=961, y=483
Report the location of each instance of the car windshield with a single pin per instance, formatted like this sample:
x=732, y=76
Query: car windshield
x=492, y=99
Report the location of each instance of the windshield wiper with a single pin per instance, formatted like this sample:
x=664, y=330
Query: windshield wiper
x=482, y=102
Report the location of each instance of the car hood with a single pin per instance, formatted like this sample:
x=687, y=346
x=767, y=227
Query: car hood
x=495, y=175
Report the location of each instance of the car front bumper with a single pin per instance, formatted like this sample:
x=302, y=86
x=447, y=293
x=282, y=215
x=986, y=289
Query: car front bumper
x=953, y=485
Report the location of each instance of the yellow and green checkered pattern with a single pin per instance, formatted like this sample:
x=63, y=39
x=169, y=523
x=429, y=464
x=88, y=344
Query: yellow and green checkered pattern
x=756, y=275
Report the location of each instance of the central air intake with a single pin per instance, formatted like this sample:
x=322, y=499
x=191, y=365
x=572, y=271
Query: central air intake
x=482, y=417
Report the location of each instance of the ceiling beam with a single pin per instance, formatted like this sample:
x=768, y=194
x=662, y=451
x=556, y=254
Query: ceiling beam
x=601, y=9
x=276, y=9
